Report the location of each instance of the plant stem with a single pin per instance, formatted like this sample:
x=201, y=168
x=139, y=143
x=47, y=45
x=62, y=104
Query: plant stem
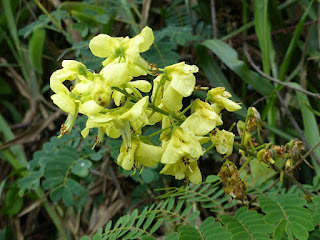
x=150, y=105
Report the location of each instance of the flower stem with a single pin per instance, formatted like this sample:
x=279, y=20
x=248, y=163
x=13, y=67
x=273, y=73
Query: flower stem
x=150, y=105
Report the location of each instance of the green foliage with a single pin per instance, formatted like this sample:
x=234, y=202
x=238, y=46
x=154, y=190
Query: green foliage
x=230, y=58
x=208, y=194
x=59, y=166
x=246, y=224
x=144, y=225
x=289, y=216
x=68, y=190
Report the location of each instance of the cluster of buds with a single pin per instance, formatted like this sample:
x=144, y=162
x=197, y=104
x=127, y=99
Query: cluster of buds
x=245, y=129
x=291, y=152
x=115, y=101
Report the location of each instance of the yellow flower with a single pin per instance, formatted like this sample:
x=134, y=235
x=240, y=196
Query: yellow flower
x=123, y=53
x=218, y=96
x=203, y=120
x=138, y=153
x=223, y=141
x=181, y=83
x=119, y=119
x=182, y=144
x=184, y=168
x=76, y=100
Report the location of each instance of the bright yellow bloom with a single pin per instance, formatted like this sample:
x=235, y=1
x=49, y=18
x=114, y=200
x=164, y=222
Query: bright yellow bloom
x=181, y=83
x=203, y=120
x=223, y=141
x=117, y=120
x=138, y=153
x=184, y=168
x=182, y=144
x=123, y=55
x=218, y=96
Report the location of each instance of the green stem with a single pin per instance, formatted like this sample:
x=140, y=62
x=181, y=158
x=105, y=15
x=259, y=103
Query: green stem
x=157, y=132
x=244, y=130
x=245, y=164
x=185, y=110
x=150, y=105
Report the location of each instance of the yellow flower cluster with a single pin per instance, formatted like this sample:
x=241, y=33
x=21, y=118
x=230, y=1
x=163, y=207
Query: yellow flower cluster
x=116, y=103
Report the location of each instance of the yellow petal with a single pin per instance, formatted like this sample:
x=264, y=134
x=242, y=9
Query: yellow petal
x=230, y=105
x=183, y=83
x=90, y=107
x=172, y=99
x=142, y=85
x=195, y=176
x=135, y=112
x=148, y=38
x=57, y=78
x=103, y=45
x=116, y=74
x=64, y=102
x=148, y=155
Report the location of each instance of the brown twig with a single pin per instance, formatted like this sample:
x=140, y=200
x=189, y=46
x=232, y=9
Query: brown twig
x=214, y=18
x=303, y=157
x=255, y=67
x=253, y=37
x=282, y=102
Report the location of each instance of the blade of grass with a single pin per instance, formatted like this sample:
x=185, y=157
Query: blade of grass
x=130, y=16
x=35, y=48
x=251, y=24
x=230, y=58
x=293, y=43
x=262, y=28
x=310, y=125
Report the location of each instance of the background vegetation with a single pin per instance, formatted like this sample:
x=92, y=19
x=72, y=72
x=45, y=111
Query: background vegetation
x=266, y=53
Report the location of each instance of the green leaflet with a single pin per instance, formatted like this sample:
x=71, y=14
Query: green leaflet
x=288, y=213
x=230, y=58
x=247, y=224
x=35, y=48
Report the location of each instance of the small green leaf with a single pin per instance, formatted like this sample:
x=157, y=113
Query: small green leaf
x=149, y=220
x=85, y=238
x=81, y=168
x=188, y=232
x=95, y=156
x=75, y=187
x=67, y=196
x=279, y=229
x=56, y=194
x=52, y=182
x=148, y=175
x=97, y=236
x=13, y=202
x=156, y=225
x=36, y=47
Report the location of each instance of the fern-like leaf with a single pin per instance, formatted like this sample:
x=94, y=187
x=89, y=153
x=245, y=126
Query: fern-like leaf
x=289, y=215
x=208, y=194
x=143, y=226
x=212, y=230
x=246, y=224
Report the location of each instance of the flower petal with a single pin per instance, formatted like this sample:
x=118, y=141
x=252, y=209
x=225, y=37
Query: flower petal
x=103, y=45
x=64, y=102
